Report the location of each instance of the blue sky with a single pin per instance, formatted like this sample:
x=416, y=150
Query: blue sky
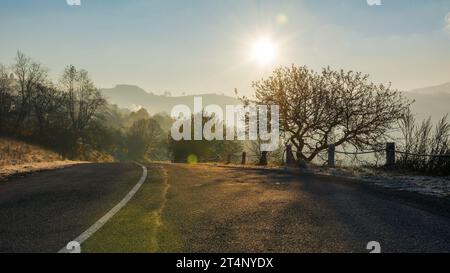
x=203, y=46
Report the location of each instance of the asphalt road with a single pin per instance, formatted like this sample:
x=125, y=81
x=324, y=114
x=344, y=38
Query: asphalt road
x=215, y=209
x=44, y=211
x=205, y=208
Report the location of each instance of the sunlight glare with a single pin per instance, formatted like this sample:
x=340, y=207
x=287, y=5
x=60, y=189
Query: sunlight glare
x=263, y=51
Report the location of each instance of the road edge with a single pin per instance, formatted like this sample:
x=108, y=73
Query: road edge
x=74, y=245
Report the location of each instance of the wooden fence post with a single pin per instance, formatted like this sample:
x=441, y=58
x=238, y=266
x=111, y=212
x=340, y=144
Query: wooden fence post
x=263, y=159
x=331, y=156
x=390, y=155
x=244, y=158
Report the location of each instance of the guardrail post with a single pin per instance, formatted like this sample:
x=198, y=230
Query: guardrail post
x=263, y=159
x=244, y=158
x=390, y=155
x=331, y=156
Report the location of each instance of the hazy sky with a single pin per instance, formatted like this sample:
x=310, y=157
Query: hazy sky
x=203, y=46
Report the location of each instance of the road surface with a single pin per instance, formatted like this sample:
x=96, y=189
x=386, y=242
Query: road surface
x=43, y=212
x=205, y=208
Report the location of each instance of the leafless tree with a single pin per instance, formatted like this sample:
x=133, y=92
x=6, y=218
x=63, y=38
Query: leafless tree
x=47, y=104
x=6, y=95
x=330, y=107
x=29, y=75
x=83, y=101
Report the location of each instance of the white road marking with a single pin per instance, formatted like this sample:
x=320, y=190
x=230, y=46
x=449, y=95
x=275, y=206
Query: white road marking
x=91, y=230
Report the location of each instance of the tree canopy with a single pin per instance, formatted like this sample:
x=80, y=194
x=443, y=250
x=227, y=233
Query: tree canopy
x=330, y=107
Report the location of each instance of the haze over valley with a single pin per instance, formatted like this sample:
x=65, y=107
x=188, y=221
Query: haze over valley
x=432, y=101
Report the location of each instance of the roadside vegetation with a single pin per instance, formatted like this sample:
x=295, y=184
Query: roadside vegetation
x=72, y=118
x=19, y=158
x=194, y=151
x=14, y=152
x=426, y=147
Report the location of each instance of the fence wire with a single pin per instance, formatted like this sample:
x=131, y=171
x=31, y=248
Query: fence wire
x=396, y=151
x=360, y=153
x=423, y=155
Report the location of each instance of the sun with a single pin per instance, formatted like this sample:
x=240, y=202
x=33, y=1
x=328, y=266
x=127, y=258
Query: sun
x=263, y=51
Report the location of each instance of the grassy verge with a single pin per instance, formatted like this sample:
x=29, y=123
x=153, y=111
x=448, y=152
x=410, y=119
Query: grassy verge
x=135, y=228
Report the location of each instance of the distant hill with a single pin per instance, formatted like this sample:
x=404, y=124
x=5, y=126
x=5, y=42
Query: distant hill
x=433, y=101
x=131, y=97
x=438, y=89
x=429, y=101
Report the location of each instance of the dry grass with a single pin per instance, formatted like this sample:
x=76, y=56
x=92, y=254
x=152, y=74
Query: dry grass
x=17, y=157
x=14, y=152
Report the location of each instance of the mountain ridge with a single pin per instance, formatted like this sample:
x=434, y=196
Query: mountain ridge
x=133, y=97
x=434, y=89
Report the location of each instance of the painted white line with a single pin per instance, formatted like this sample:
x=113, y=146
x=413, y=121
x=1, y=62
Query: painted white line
x=90, y=231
